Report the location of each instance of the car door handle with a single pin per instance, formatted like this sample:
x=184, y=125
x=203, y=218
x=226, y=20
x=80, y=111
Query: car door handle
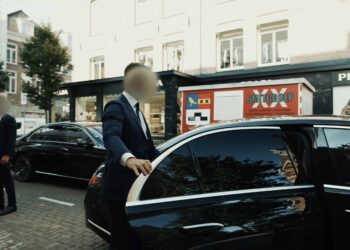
x=64, y=149
x=202, y=227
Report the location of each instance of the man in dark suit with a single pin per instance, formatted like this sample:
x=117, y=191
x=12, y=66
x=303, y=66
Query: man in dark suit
x=129, y=151
x=8, y=129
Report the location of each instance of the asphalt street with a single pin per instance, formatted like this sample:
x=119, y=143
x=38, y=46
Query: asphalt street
x=50, y=216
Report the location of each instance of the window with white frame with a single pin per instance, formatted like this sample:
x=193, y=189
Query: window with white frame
x=27, y=28
x=96, y=17
x=11, y=85
x=143, y=11
x=230, y=50
x=273, y=46
x=174, y=56
x=97, y=65
x=144, y=56
x=11, y=53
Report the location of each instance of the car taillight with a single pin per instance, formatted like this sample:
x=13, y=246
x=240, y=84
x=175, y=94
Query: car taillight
x=95, y=180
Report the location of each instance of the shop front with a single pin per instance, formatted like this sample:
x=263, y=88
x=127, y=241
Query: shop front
x=330, y=81
x=202, y=105
x=85, y=101
x=341, y=92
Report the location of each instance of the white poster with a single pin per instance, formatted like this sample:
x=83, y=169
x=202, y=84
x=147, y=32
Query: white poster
x=228, y=105
x=341, y=100
x=196, y=117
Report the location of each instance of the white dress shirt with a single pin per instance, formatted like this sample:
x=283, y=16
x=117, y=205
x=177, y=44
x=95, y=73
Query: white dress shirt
x=132, y=101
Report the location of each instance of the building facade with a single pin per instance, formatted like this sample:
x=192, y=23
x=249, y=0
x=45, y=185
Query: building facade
x=19, y=28
x=3, y=31
x=206, y=36
x=209, y=42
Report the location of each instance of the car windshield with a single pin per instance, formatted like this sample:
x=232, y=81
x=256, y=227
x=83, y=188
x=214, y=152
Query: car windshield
x=97, y=133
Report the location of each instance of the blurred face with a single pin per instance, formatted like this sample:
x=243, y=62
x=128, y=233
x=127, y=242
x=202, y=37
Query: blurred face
x=141, y=83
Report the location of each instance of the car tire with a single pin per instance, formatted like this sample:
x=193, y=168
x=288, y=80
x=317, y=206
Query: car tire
x=23, y=169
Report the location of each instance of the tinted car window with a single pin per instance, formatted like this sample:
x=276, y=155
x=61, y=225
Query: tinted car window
x=37, y=135
x=243, y=159
x=75, y=133
x=174, y=176
x=339, y=146
x=97, y=133
x=51, y=134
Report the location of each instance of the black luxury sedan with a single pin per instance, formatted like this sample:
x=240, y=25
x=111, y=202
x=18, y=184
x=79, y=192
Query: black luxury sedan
x=61, y=149
x=281, y=183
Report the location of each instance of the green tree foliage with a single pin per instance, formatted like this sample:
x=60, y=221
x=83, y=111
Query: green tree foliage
x=3, y=77
x=46, y=62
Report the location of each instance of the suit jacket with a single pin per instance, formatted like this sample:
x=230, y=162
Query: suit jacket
x=122, y=133
x=8, y=132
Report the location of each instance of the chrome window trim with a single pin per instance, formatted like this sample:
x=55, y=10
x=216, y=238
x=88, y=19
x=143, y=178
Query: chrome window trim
x=86, y=131
x=210, y=224
x=59, y=175
x=216, y=194
x=336, y=187
x=332, y=126
x=98, y=227
x=136, y=188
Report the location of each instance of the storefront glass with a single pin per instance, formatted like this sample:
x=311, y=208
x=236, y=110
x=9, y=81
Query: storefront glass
x=154, y=112
x=60, y=109
x=108, y=98
x=85, y=109
x=341, y=100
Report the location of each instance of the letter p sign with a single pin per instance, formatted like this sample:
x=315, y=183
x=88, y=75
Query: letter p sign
x=341, y=76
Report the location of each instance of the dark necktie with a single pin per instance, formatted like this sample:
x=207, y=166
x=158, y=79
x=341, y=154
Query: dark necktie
x=137, y=106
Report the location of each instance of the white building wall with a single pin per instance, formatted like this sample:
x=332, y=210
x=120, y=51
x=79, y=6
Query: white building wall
x=317, y=30
x=3, y=30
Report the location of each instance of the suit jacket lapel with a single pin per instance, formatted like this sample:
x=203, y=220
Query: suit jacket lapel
x=133, y=113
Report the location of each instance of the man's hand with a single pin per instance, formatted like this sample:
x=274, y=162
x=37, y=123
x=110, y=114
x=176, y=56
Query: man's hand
x=139, y=166
x=4, y=160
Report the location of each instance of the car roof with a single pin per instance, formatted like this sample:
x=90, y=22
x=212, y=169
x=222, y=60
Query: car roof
x=84, y=124
x=262, y=121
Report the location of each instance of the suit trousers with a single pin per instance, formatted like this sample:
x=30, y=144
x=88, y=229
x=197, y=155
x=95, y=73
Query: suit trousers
x=123, y=237
x=6, y=181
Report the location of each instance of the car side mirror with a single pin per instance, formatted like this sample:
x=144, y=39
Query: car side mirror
x=85, y=142
x=19, y=125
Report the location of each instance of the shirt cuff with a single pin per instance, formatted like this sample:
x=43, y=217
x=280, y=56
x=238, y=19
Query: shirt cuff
x=126, y=157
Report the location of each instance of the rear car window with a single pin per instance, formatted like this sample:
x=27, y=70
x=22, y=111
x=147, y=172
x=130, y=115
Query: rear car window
x=244, y=159
x=339, y=148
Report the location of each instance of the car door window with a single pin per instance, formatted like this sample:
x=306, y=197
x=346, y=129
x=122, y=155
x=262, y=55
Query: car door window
x=174, y=176
x=50, y=134
x=339, y=147
x=244, y=159
x=37, y=135
x=75, y=133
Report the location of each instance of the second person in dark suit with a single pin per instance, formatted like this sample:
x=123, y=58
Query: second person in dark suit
x=130, y=150
x=8, y=130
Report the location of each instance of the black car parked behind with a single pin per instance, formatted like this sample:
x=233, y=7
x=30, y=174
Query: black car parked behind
x=61, y=149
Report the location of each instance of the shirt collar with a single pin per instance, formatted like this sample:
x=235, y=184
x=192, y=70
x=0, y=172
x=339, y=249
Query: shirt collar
x=132, y=101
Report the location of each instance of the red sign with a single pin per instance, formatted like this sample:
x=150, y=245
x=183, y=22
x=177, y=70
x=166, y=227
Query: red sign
x=271, y=100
